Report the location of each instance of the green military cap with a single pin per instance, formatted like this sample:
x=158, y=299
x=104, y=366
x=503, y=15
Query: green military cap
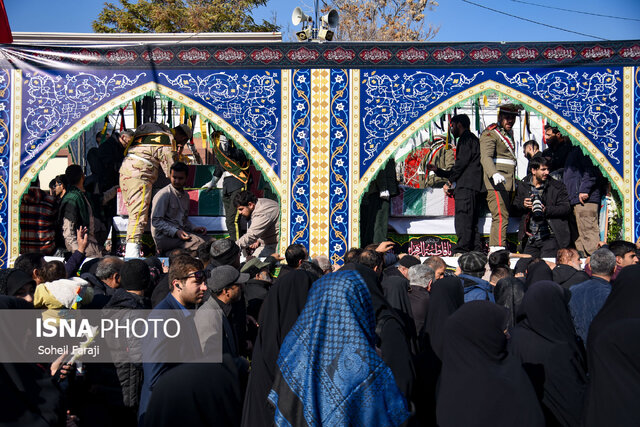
x=509, y=108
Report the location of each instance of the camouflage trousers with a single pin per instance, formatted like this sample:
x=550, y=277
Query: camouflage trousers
x=136, y=182
x=138, y=172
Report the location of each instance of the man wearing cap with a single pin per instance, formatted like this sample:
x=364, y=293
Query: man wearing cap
x=471, y=268
x=225, y=286
x=498, y=159
x=170, y=225
x=153, y=146
x=224, y=252
x=232, y=167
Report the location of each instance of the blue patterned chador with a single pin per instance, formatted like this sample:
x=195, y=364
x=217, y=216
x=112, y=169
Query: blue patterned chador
x=328, y=370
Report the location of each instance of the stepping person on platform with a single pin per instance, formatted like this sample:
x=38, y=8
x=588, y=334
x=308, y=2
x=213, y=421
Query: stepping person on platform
x=170, y=225
x=498, y=158
x=154, y=145
x=465, y=180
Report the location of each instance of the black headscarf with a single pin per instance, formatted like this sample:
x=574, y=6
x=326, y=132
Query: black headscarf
x=196, y=394
x=614, y=359
x=508, y=293
x=623, y=301
x=545, y=340
x=396, y=292
x=279, y=312
x=537, y=271
x=613, y=354
x=447, y=295
x=481, y=384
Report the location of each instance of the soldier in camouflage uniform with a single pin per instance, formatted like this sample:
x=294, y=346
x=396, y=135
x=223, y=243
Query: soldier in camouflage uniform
x=153, y=146
x=498, y=159
x=439, y=155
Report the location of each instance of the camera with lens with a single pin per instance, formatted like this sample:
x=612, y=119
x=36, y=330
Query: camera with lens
x=536, y=208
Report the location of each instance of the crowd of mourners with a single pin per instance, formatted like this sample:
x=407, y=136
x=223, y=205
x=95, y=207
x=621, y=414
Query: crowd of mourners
x=383, y=339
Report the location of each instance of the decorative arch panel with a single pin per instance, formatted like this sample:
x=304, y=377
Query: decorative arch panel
x=318, y=119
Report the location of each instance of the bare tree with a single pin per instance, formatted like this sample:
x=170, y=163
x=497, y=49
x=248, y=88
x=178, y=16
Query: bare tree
x=383, y=20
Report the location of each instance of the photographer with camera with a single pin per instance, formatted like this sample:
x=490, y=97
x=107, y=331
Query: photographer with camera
x=544, y=207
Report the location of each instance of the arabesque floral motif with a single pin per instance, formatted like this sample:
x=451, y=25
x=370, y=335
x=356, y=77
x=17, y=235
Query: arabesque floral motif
x=249, y=101
x=590, y=99
x=300, y=149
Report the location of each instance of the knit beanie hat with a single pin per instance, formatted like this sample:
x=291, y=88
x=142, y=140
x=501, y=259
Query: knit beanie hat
x=408, y=261
x=135, y=275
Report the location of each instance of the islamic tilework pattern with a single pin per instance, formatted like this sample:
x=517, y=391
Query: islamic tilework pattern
x=636, y=150
x=394, y=99
x=5, y=134
x=53, y=102
x=339, y=164
x=248, y=100
x=320, y=147
x=300, y=163
x=591, y=99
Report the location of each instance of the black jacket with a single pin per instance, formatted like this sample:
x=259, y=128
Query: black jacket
x=557, y=209
x=385, y=180
x=466, y=171
x=558, y=156
x=129, y=374
x=567, y=276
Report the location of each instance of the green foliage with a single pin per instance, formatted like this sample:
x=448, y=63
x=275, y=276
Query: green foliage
x=614, y=229
x=180, y=16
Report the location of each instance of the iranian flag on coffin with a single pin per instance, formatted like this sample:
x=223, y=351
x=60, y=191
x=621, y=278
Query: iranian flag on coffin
x=422, y=202
x=202, y=203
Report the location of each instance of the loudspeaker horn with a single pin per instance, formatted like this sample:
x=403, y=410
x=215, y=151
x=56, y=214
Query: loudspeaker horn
x=331, y=19
x=299, y=16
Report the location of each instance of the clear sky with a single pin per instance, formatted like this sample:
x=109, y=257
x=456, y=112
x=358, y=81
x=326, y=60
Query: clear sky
x=458, y=20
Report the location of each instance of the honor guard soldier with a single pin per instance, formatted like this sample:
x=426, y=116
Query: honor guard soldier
x=498, y=159
x=153, y=146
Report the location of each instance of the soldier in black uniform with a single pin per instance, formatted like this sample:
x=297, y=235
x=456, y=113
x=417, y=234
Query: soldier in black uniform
x=465, y=180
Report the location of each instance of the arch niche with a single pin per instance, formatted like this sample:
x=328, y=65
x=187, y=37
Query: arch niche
x=622, y=184
x=20, y=186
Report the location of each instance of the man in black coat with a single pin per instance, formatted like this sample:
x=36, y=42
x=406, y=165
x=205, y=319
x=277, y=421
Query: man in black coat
x=558, y=148
x=465, y=180
x=568, y=271
x=544, y=206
